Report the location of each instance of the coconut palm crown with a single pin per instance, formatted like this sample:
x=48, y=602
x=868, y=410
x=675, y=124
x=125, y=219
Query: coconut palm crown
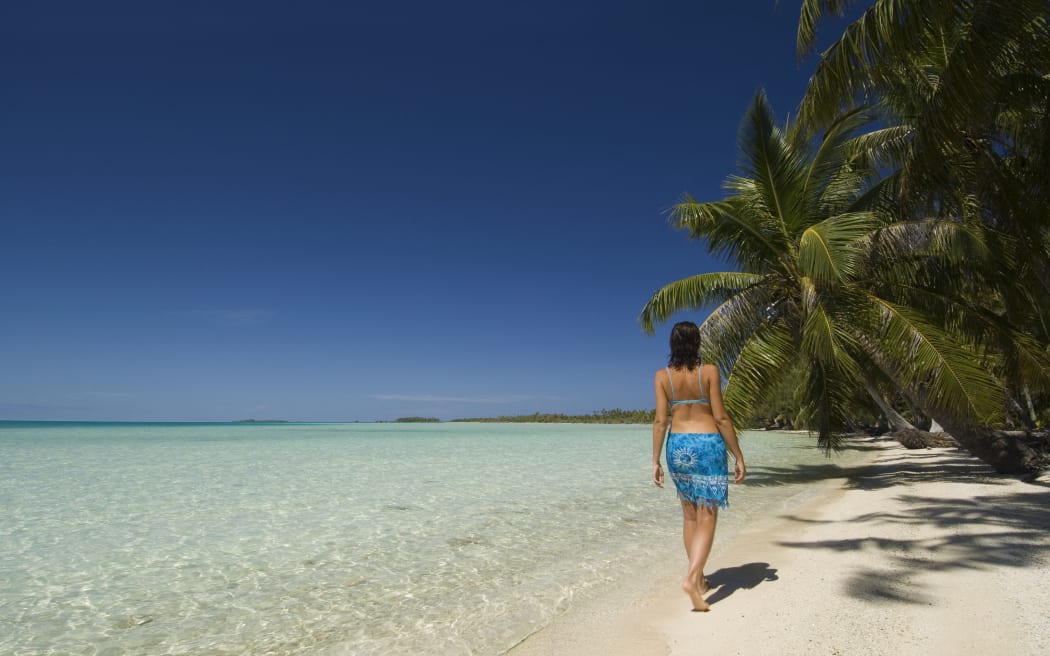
x=826, y=283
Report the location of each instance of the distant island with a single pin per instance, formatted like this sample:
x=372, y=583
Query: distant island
x=616, y=416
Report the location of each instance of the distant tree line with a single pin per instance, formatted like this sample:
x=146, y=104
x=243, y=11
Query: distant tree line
x=417, y=420
x=614, y=416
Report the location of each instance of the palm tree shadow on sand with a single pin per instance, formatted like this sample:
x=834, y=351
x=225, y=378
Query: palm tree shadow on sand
x=728, y=580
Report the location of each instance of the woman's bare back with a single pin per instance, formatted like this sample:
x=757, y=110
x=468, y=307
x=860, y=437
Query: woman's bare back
x=695, y=415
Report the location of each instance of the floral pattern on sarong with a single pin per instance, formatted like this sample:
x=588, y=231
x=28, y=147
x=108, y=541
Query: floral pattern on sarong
x=697, y=465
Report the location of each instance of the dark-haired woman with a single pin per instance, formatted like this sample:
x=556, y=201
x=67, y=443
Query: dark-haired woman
x=689, y=412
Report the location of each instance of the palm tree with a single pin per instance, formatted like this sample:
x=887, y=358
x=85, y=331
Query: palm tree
x=965, y=85
x=822, y=274
x=963, y=92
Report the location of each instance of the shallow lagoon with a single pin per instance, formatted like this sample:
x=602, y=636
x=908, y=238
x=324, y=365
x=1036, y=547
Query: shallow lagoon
x=445, y=538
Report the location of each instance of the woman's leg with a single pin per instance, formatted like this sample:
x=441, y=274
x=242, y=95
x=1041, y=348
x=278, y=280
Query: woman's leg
x=688, y=527
x=698, y=533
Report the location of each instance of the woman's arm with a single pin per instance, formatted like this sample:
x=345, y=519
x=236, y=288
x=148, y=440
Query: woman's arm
x=659, y=428
x=712, y=380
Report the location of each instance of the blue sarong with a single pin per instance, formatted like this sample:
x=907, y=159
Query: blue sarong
x=697, y=464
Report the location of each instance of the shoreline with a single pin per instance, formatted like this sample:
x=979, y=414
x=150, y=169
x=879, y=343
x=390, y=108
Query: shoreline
x=914, y=552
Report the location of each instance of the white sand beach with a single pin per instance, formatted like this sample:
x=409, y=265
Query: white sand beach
x=920, y=552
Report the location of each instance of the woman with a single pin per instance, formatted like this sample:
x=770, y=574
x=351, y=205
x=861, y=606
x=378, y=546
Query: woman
x=689, y=403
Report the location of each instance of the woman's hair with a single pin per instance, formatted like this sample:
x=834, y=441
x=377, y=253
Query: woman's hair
x=685, y=346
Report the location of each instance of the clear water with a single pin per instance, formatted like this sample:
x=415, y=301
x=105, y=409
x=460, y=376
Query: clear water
x=333, y=538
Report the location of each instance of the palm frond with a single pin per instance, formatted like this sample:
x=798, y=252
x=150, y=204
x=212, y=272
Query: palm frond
x=810, y=15
x=725, y=331
x=883, y=196
x=950, y=243
x=693, y=293
x=832, y=165
x=777, y=169
x=828, y=251
x=729, y=231
x=768, y=353
x=992, y=38
x=886, y=148
x=862, y=47
x=934, y=365
x=818, y=332
x=951, y=305
x=825, y=402
x=1029, y=361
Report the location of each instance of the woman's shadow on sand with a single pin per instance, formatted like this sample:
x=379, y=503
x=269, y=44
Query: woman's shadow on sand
x=728, y=580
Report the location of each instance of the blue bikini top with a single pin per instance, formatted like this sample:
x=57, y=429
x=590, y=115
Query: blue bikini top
x=687, y=401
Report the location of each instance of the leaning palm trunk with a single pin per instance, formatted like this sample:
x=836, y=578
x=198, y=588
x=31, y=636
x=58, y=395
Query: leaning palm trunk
x=895, y=420
x=1005, y=453
x=1028, y=401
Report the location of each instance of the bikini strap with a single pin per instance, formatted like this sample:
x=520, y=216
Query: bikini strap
x=671, y=382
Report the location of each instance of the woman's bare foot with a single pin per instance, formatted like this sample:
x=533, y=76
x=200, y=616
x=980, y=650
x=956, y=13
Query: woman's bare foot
x=693, y=591
x=703, y=585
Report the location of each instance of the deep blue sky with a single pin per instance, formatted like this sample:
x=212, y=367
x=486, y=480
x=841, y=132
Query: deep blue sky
x=358, y=210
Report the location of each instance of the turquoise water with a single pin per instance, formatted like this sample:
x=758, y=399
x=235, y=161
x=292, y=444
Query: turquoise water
x=333, y=538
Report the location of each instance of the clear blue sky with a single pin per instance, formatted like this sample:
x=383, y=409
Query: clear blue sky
x=358, y=210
